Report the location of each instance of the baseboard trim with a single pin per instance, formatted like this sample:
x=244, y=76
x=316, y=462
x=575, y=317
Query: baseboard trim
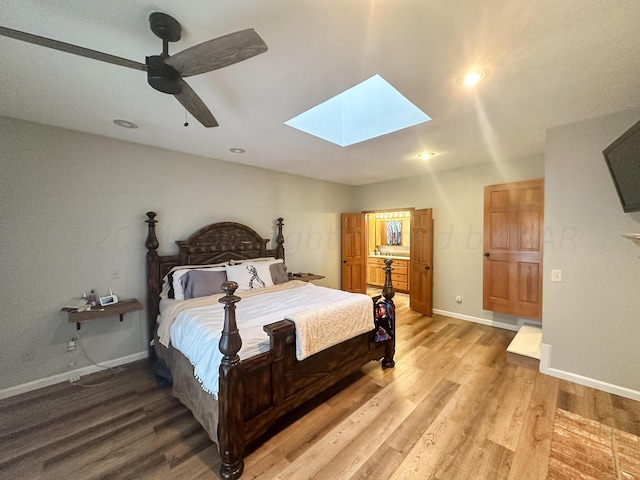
x=483, y=321
x=66, y=376
x=545, y=360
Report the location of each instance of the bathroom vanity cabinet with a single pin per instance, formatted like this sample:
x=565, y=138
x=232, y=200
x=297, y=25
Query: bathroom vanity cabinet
x=399, y=274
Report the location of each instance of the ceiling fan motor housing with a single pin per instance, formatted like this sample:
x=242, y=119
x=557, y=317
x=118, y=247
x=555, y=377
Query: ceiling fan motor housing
x=161, y=76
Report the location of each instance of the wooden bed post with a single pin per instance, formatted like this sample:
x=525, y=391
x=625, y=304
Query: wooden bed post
x=388, y=293
x=230, y=418
x=153, y=271
x=280, y=239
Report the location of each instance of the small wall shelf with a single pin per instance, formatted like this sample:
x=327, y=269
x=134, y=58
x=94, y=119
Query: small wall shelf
x=120, y=308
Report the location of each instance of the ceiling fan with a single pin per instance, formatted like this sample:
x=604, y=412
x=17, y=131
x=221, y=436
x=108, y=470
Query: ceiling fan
x=165, y=72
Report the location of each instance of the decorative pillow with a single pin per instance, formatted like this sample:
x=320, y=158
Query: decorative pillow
x=178, y=275
x=250, y=275
x=171, y=283
x=278, y=272
x=202, y=283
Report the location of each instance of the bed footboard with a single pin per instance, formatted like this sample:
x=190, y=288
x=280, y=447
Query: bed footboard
x=276, y=382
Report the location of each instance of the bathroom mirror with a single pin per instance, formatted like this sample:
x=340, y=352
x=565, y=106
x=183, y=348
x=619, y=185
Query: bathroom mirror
x=393, y=232
x=390, y=232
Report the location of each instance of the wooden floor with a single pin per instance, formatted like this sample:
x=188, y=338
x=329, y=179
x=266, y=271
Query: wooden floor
x=452, y=408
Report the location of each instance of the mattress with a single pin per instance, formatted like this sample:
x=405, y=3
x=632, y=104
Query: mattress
x=323, y=316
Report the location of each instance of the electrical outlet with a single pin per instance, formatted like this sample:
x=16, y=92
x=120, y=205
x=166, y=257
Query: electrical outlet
x=27, y=356
x=71, y=345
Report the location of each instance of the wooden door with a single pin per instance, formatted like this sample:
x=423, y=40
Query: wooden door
x=513, y=236
x=354, y=253
x=421, y=262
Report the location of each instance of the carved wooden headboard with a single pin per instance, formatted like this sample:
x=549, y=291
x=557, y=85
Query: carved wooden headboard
x=215, y=243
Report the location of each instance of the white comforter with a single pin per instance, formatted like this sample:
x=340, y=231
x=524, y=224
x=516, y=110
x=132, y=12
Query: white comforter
x=324, y=317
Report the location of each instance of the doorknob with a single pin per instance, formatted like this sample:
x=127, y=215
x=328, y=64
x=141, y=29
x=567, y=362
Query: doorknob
x=344, y=261
x=486, y=254
x=427, y=267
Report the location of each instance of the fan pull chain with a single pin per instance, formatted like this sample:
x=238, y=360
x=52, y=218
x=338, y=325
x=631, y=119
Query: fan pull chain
x=186, y=123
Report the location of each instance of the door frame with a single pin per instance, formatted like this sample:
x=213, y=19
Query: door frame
x=383, y=210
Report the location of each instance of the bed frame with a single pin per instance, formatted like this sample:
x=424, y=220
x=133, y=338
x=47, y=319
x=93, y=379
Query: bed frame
x=255, y=392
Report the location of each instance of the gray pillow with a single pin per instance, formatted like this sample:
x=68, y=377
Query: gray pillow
x=278, y=273
x=201, y=283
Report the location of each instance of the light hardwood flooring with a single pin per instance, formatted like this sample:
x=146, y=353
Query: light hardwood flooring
x=452, y=408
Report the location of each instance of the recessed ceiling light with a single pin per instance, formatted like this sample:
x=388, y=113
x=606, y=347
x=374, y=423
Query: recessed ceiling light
x=125, y=123
x=236, y=150
x=426, y=155
x=471, y=78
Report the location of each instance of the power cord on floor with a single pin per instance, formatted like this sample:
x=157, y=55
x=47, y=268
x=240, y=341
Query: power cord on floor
x=114, y=371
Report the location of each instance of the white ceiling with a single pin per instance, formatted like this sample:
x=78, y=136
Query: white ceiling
x=551, y=62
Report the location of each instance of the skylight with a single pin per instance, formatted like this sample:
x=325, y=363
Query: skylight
x=368, y=110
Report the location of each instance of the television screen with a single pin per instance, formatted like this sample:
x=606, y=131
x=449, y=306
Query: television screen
x=623, y=160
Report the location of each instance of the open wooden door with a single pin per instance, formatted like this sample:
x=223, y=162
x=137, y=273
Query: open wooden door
x=513, y=236
x=421, y=264
x=354, y=252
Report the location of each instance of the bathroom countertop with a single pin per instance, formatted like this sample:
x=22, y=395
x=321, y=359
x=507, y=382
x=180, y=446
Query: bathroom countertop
x=392, y=257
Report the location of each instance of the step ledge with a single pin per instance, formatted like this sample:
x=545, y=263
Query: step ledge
x=526, y=342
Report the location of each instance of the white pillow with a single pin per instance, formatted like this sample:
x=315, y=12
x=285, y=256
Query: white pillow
x=250, y=275
x=251, y=260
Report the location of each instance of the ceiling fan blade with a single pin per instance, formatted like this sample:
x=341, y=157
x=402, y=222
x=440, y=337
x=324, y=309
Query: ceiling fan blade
x=69, y=48
x=217, y=53
x=195, y=106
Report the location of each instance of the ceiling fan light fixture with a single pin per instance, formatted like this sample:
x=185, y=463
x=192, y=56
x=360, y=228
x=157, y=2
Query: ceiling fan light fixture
x=125, y=123
x=161, y=76
x=236, y=150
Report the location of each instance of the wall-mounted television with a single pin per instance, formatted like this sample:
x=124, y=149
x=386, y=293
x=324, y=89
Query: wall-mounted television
x=623, y=160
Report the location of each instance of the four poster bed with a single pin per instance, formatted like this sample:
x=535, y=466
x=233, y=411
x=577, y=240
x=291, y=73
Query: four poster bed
x=240, y=392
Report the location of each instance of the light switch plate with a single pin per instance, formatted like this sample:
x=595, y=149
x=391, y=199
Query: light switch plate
x=556, y=275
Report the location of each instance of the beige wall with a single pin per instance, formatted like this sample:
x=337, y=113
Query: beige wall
x=456, y=197
x=72, y=210
x=591, y=325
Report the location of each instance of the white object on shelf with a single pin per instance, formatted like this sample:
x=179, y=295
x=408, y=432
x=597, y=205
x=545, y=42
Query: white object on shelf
x=634, y=237
x=75, y=304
